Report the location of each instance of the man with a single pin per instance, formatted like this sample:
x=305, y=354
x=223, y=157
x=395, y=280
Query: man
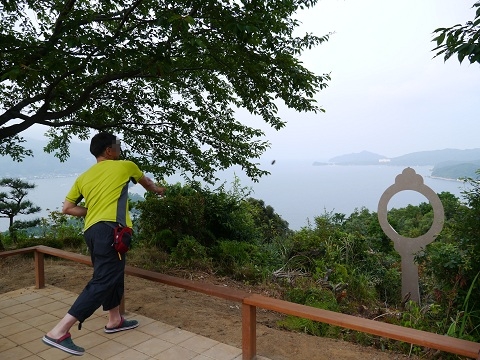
x=104, y=187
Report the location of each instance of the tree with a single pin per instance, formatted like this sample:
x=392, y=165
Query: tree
x=268, y=221
x=14, y=203
x=167, y=76
x=463, y=40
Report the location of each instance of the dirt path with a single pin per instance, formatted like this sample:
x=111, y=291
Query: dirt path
x=208, y=316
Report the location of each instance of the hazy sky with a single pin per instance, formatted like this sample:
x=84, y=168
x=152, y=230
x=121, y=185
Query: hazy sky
x=387, y=94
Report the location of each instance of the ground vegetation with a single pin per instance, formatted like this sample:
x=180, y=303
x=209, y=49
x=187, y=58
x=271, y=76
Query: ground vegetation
x=339, y=262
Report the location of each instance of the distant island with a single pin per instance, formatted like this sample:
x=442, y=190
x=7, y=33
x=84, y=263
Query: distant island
x=452, y=164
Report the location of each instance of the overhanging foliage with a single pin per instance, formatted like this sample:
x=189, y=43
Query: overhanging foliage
x=167, y=76
x=462, y=40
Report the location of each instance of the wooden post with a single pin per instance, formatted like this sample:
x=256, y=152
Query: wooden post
x=39, y=269
x=249, y=332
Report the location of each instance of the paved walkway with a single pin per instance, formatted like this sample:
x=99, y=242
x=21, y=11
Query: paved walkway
x=27, y=314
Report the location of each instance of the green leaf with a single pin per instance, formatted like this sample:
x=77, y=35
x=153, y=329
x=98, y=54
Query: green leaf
x=440, y=38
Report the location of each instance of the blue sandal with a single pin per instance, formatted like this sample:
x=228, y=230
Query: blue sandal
x=65, y=343
x=124, y=325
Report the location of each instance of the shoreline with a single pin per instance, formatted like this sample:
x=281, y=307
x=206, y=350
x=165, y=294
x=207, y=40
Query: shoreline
x=446, y=179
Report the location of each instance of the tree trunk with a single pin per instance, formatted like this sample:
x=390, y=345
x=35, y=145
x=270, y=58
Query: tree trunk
x=11, y=231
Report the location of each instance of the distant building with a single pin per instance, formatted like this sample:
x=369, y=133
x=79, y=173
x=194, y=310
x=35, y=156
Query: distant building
x=383, y=160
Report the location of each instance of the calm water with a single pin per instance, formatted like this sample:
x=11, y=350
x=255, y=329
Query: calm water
x=297, y=191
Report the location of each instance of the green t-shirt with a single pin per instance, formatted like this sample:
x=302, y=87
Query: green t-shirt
x=105, y=189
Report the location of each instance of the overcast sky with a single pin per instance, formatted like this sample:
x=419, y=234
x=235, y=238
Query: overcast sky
x=387, y=94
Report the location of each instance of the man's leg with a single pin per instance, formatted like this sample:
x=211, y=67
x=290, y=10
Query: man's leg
x=63, y=327
x=114, y=317
x=117, y=322
x=59, y=337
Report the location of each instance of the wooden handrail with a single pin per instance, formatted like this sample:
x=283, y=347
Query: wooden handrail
x=251, y=301
x=208, y=289
x=83, y=259
x=204, y=288
x=4, y=254
x=423, y=338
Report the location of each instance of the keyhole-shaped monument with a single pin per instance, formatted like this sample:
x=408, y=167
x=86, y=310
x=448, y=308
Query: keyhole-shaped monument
x=407, y=247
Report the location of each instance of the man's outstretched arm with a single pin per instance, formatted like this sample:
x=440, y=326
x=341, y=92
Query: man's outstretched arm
x=149, y=185
x=70, y=208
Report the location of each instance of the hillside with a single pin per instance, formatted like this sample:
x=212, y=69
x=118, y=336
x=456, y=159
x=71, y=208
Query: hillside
x=436, y=157
x=446, y=163
x=46, y=165
x=361, y=158
x=456, y=170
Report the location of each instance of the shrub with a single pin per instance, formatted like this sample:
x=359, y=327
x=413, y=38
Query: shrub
x=242, y=261
x=73, y=241
x=361, y=288
x=318, y=298
x=163, y=240
x=148, y=258
x=48, y=241
x=179, y=213
x=189, y=252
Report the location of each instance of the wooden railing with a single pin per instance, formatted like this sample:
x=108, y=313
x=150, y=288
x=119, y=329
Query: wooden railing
x=251, y=301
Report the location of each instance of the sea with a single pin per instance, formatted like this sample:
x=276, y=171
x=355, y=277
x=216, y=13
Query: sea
x=297, y=190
